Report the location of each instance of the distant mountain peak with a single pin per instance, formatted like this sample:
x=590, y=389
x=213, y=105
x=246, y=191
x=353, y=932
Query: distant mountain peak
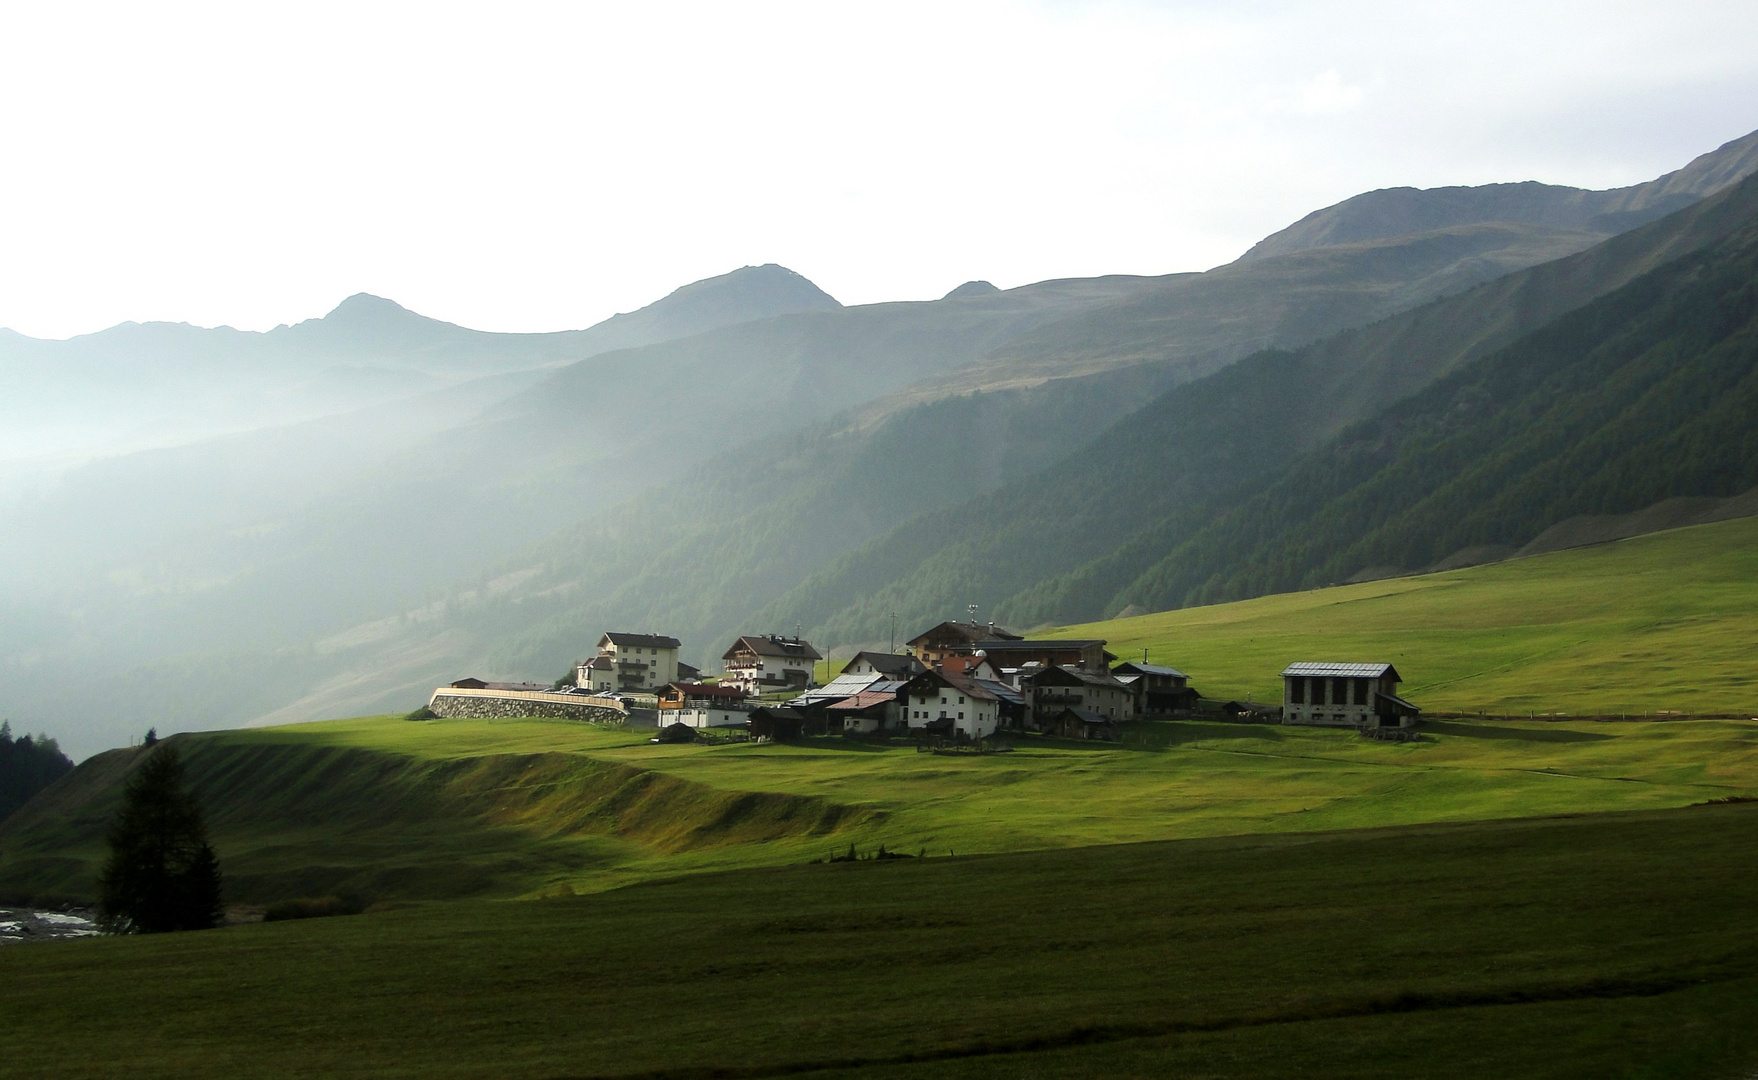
x=364, y=303
x=971, y=288
x=769, y=284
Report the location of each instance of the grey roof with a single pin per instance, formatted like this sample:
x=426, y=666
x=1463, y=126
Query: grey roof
x=1149, y=669
x=844, y=685
x=1001, y=691
x=1400, y=702
x=641, y=641
x=1346, y=671
x=1086, y=715
x=890, y=663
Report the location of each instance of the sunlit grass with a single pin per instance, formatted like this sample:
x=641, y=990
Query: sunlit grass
x=1661, y=622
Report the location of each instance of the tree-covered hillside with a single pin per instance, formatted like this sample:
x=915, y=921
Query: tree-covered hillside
x=1070, y=543
x=1648, y=393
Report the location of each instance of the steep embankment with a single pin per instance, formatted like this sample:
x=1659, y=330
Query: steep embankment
x=307, y=818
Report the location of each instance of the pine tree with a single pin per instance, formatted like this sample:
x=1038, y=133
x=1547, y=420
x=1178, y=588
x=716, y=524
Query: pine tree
x=162, y=874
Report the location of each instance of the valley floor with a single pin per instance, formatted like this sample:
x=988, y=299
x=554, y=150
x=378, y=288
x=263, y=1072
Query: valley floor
x=1621, y=945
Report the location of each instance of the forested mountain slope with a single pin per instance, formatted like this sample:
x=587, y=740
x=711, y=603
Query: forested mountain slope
x=1646, y=394
x=1066, y=544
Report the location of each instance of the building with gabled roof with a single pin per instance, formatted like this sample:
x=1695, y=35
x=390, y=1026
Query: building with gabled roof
x=1088, y=653
x=896, y=665
x=936, y=701
x=769, y=662
x=1052, y=688
x=643, y=662
x=1344, y=695
x=1159, y=690
x=954, y=639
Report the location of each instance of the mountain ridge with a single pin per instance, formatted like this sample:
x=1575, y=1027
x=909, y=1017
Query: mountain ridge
x=1398, y=210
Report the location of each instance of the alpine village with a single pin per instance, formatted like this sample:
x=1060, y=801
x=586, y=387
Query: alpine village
x=958, y=686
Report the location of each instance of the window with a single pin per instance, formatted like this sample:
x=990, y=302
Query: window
x=1297, y=691
x=961, y=699
x=961, y=716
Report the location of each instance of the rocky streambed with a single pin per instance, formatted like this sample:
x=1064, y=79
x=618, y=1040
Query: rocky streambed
x=19, y=925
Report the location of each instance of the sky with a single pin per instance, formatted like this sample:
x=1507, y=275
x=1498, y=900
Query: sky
x=529, y=167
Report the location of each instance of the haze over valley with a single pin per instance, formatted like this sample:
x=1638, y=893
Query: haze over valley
x=331, y=517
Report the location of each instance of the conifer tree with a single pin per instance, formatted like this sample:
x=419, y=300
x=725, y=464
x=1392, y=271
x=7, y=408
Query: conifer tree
x=162, y=874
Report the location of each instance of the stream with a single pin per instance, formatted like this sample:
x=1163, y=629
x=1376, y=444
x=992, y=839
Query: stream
x=19, y=925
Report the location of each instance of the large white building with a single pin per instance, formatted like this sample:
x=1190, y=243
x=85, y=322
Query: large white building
x=766, y=662
x=637, y=662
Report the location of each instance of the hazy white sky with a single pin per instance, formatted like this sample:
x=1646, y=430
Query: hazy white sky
x=540, y=166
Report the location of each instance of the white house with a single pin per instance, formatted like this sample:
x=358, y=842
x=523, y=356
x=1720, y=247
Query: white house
x=597, y=675
x=935, y=701
x=1344, y=695
x=760, y=662
x=638, y=662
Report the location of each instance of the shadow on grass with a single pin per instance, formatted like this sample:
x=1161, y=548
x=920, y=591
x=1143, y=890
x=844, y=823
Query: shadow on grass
x=1194, y=730
x=1488, y=731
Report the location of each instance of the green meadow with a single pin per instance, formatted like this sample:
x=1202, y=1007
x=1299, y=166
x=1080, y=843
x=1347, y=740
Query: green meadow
x=1504, y=897
x=1622, y=945
x=393, y=809
x=1664, y=622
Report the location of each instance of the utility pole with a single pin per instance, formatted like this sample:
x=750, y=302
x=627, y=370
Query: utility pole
x=892, y=648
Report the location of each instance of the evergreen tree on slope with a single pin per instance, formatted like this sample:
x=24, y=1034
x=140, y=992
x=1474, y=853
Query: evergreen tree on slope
x=162, y=874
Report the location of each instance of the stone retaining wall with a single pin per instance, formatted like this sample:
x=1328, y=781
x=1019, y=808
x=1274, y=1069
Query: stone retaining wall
x=492, y=705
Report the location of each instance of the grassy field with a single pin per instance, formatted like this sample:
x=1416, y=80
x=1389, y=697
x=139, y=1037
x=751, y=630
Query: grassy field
x=388, y=808
x=1607, y=946
x=1667, y=621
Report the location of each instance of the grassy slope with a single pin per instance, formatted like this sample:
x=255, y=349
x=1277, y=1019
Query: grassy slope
x=1618, y=946
x=1661, y=622
x=390, y=808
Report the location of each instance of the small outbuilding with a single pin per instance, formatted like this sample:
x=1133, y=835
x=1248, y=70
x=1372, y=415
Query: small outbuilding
x=1340, y=694
x=1072, y=723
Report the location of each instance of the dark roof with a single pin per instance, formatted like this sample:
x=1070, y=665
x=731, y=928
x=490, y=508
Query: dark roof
x=1087, y=716
x=1401, y=703
x=1002, y=691
x=1134, y=668
x=889, y=663
x=970, y=633
x=640, y=641
x=1341, y=670
x=968, y=687
x=1091, y=678
x=772, y=645
x=1041, y=644
x=522, y=687
x=598, y=663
